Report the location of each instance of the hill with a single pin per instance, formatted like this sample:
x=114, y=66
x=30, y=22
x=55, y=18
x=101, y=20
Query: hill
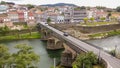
x=59, y=4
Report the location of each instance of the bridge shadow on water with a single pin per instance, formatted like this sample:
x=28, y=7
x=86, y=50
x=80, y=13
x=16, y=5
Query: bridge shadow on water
x=55, y=54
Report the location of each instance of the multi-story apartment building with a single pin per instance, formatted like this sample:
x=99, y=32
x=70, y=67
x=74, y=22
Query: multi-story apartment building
x=21, y=16
x=39, y=16
x=55, y=17
x=3, y=9
x=13, y=15
x=75, y=15
x=4, y=20
x=31, y=19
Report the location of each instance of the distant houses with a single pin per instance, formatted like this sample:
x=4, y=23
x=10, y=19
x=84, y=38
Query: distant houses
x=15, y=13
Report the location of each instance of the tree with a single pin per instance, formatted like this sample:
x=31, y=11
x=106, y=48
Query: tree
x=108, y=15
x=25, y=57
x=30, y=6
x=4, y=55
x=85, y=20
x=85, y=60
x=82, y=7
x=92, y=19
x=118, y=9
x=4, y=30
x=3, y=2
x=113, y=18
x=48, y=20
x=102, y=19
x=100, y=7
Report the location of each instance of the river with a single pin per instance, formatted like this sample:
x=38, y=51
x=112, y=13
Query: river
x=46, y=62
x=38, y=46
x=108, y=44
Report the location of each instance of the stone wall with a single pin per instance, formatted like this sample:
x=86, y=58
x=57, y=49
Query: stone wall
x=87, y=29
x=62, y=26
x=97, y=29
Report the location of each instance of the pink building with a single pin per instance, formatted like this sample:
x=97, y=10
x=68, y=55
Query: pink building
x=21, y=16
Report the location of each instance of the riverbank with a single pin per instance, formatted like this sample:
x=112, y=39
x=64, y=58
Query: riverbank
x=104, y=34
x=32, y=35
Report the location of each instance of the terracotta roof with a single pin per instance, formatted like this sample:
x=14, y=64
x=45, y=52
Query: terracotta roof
x=116, y=14
x=51, y=8
x=52, y=14
x=3, y=15
x=20, y=11
x=12, y=12
x=30, y=14
x=39, y=12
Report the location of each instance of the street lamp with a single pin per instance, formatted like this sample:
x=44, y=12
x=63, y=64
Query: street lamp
x=99, y=55
x=54, y=62
x=115, y=50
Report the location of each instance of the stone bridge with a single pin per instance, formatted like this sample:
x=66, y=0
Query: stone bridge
x=56, y=40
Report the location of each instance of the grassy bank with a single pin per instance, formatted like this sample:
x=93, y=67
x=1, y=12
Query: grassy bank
x=97, y=23
x=105, y=34
x=33, y=35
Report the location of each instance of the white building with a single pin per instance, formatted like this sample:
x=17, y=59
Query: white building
x=75, y=16
x=3, y=9
x=60, y=19
x=26, y=15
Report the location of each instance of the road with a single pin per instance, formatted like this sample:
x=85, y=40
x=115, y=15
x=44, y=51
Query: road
x=111, y=61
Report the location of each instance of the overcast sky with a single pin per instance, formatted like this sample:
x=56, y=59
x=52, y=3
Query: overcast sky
x=107, y=3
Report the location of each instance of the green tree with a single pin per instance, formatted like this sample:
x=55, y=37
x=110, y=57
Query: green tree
x=85, y=20
x=109, y=15
x=25, y=57
x=92, y=19
x=82, y=7
x=4, y=55
x=118, y=9
x=102, y=19
x=113, y=18
x=100, y=7
x=85, y=60
x=3, y=2
x=30, y=6
x=48, y=20
x=4, y=30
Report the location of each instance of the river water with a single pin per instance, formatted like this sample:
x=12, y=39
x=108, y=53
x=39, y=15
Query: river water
x=46, y=62
x=38, y=46
x=108, y=44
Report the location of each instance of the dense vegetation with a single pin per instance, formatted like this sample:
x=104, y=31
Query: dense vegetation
x=6, y=34
x=105, y=34
x=23, y=58
x=85, y=60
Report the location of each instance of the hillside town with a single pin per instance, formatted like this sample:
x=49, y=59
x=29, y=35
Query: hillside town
x=60, y=35
x=31, y=14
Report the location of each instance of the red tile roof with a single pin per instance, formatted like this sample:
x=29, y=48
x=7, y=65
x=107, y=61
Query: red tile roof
x=30, y=14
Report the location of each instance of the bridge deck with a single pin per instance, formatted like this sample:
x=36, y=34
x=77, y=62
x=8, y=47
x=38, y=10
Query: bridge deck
x=111, y=61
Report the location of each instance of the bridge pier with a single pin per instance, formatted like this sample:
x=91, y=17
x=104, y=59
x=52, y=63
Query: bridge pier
x=66, y=59
x=68, y=56
x=45, y=34
x=54, y=44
